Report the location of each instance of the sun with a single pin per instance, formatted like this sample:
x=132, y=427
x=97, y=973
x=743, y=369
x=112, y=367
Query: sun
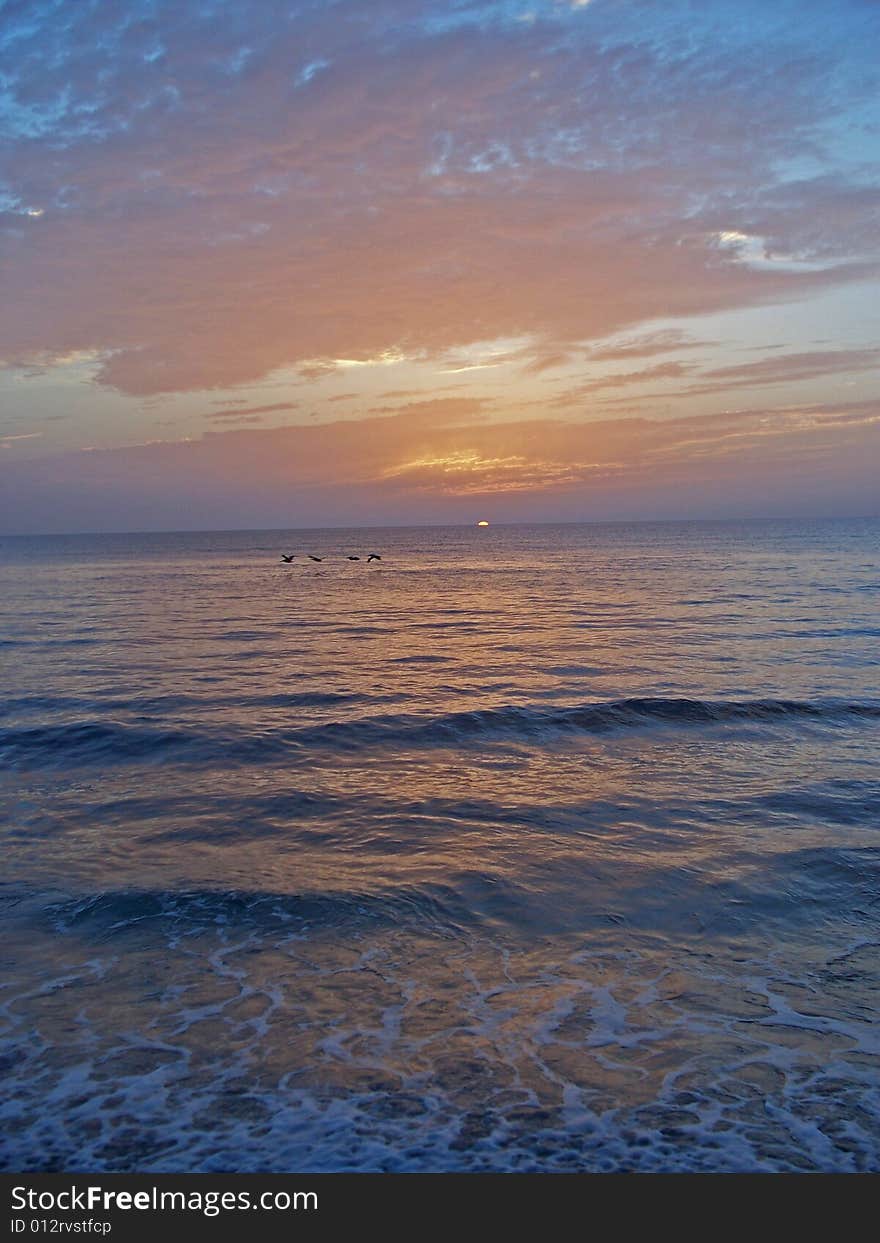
x=482, y=523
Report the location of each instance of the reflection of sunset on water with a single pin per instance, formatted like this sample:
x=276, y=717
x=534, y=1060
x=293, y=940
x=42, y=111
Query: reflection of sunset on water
x=454, y=858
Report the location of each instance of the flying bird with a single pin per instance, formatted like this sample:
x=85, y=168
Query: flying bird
x=311, y=558
x=287, y=559
x=374, y=556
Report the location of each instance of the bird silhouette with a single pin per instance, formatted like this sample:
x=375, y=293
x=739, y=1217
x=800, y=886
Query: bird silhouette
x=311, y=558
x=287, y=559
x=374, y=556
x=354, y=558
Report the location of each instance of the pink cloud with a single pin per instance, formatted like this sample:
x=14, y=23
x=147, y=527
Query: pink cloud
x=221, y=199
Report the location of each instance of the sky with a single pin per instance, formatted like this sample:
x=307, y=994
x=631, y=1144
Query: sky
x=269, y=264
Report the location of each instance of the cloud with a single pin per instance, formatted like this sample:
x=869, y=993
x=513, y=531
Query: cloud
x=435, y=412
x=620, y=379
x=645, y=345
x=7, y=441
x=238, y=411
x=785, y=369
x=809, y=365
x=641, y=345
x=465, y=473
x=233, y=416
x=228, y=188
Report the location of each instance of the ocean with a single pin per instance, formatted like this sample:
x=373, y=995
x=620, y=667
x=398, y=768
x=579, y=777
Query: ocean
x=524, y=848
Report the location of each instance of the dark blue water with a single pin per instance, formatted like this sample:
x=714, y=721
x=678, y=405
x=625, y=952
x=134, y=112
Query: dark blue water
x=528, y=848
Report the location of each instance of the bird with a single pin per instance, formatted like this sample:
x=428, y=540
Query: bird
x=287, y=559
x=311, y=558
x=374, y=556
x=354, y=558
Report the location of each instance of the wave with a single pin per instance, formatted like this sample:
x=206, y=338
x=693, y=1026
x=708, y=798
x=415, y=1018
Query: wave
x=806, y=887
x=85, y=742
x=430, y=907
x=158, y=704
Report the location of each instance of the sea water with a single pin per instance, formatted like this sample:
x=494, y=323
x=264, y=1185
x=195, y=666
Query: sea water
x=522, y=848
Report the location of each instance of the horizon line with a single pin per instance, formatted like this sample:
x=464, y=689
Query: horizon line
x=423, y=526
